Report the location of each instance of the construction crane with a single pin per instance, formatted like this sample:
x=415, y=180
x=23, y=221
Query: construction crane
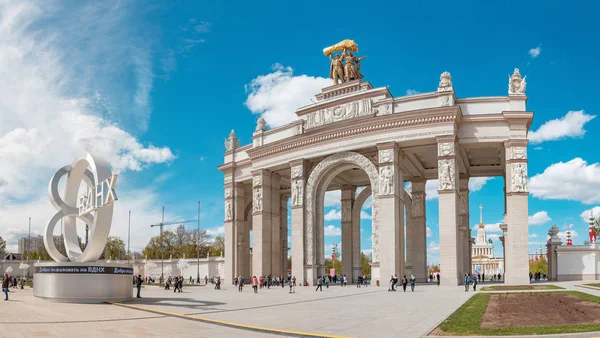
x=161, y=225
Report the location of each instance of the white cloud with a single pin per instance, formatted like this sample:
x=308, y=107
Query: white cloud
x=585, y=216
x=533, y=235
x=432, y=186
x=277, y=95
x=218, y=231
x=569, y=126
x=493, y=237
x=331, y=230
x=574, y=180
x=333, y=215
x=365, y=215
x=429, y=232
x=493, y=227
x=333, y=198
x=202, y=158
x=535, y=52
x=411, y=92
x=368, y=203
x=65, y=60
x=537, y=243
x=367, y=252
x=563, y=235
x=477, y=183
x=433, y=248
x=539, y=218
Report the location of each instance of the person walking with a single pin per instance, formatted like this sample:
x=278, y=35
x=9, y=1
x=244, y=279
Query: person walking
x=291, y=284
x=5, y=284
x=319, y=284
x=327, y=282
x=438, y=279
x=22, y=283
x=345, y=283
x=241, y=284
x=404, y=283
x=475, y=285
x=358, y=281
x=254, y=284
x=467, y=281
x=413, y=281
x=138, y=284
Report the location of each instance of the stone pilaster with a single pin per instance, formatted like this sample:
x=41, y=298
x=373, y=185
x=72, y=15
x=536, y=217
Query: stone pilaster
x=553, y=242
x=517, y=242
x=448, y=210
x=389, y=244
x=299, y=175
x=261, y=222
x=348, y=192
x=464, y=229
x=234, y=228
x=276, y=235
x=284, y=235
x=417, y=232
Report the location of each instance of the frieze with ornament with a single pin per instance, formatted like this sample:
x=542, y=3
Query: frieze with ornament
x=519, y=153
x=339, y=113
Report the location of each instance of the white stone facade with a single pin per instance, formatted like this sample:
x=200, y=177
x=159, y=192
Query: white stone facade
x=360, y=136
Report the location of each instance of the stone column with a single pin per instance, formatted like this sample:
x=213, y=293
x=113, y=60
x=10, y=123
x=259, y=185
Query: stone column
x=276, y=247
x=464, y=228
x=553, y=242
x=517, y=263
x=504, y=229
x=448, y=210
x=234, y=226
x=471, y=241
x=348, y=193
x=390, y=220
x=298, y=181
x=284, y=235
x=261, y=223
x=418, y=230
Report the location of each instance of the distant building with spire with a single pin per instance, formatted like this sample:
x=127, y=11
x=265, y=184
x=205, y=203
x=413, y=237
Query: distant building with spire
x=483, y=260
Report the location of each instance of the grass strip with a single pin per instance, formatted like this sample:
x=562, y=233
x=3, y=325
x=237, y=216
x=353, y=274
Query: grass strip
x=466, y=321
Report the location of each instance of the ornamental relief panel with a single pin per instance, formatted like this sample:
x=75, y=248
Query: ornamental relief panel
x=417, y=205
x=297, y=193
x=297, y=171
x=256, y=181
x=338, y=113
x=446, y=149
x=446, y=175
x=518, y=153
x=257, y=201
x=386, y=156
x=386, y=180
x=519, y=177
x=228, y=211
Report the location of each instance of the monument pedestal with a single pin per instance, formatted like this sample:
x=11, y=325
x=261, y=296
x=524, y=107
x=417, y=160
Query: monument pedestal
x=74, y=282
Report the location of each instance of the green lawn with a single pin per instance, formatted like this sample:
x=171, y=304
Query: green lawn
x=595, y=285
x=521, y=287
x=467, y=320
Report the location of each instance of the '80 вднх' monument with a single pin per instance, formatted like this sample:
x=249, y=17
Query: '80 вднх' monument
x=357, y=136
x=78, y=277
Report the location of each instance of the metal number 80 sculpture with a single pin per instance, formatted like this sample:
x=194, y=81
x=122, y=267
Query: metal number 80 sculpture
x=94, y=207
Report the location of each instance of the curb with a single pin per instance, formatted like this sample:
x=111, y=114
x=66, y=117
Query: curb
x=561, y=335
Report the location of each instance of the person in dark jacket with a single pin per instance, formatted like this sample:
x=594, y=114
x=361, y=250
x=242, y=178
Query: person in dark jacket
x=404, y=283
x=5, y=282
x=138, y=284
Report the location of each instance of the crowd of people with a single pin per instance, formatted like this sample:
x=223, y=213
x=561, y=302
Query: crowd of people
x=11, y=282
x=405, y=281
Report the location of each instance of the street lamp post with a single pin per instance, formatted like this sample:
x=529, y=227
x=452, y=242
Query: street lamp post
x=198, y=245
x=129, y=238
x=28, y=247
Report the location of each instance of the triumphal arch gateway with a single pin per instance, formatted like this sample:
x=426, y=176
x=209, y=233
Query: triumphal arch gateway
x=365, y=142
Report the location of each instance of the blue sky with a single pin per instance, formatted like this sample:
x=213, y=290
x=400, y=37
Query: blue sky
x=155, y=87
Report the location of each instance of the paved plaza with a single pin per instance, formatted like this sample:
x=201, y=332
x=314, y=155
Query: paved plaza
x=348, y=311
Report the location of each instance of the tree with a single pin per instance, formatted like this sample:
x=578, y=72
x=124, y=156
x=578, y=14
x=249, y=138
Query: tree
x=541, y=265
x=218, y=246
x=182, y=242
x=337, y=265
x=364, y=264
x=114, y=249
x=2, y=247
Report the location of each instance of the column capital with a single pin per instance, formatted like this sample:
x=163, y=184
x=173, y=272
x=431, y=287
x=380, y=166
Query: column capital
x=261, y=177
